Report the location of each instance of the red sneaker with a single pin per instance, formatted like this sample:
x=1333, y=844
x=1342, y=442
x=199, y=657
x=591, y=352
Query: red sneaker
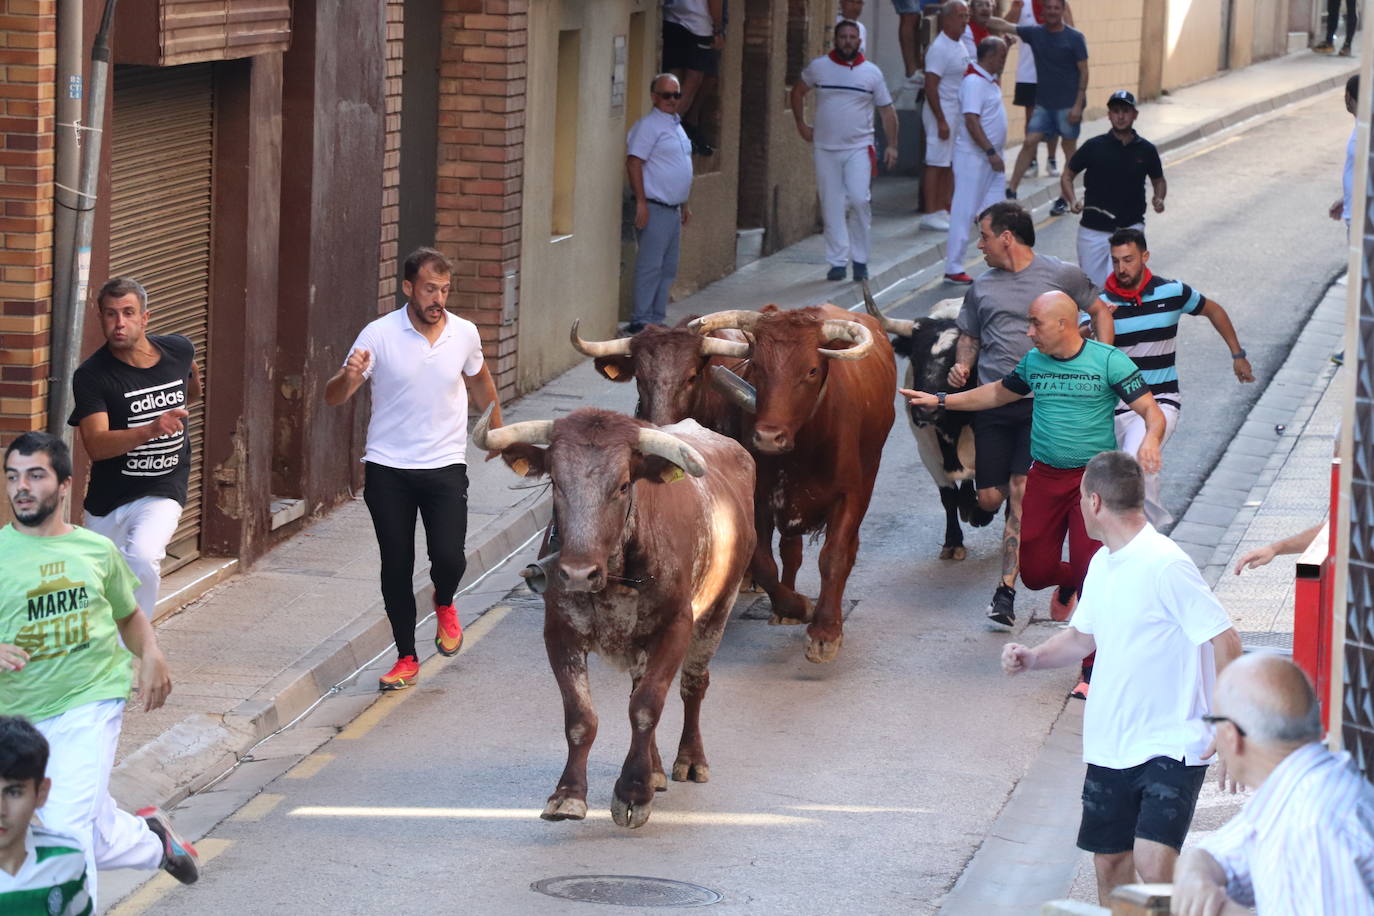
x=448, y=638
x=960, y=277
x=403, y=674
x=1060, y=607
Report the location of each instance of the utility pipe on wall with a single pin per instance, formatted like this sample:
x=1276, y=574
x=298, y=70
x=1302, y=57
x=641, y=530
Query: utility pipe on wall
x=66, y=176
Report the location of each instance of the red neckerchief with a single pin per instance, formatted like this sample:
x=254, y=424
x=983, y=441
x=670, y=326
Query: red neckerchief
x=1130, y=295
x=979, y=32
x=851, y=64
x=974, y=71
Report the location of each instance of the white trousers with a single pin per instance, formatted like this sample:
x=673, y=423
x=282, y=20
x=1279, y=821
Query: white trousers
x=1130, y=432
x=81, y=752
x=141, y=530
x=976, y=187
x=843, y=179
x=1095, y=253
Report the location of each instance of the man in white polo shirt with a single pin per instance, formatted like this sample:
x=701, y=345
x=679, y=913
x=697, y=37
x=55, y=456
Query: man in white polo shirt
x=659, y=163
x=848, y=89
x=1161, y=638
x=980, y=177
x=947, y=60
x=421, y=360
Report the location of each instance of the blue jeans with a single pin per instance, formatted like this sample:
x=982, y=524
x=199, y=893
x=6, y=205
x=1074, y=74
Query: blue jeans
x=656, y=264
x=1052, y=122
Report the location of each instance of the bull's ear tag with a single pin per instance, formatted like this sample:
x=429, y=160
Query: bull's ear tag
x=611, y=371
x=671, y=473
x=521, y=466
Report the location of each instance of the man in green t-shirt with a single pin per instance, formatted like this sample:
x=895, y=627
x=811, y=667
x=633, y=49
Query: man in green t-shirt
x=1076, y=384
x=66, y=602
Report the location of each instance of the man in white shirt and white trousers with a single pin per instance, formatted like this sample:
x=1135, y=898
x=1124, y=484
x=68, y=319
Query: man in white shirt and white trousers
x=1161, y=638
x=980, y=176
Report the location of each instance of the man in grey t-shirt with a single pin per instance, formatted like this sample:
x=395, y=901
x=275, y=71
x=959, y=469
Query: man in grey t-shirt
x=992, y=333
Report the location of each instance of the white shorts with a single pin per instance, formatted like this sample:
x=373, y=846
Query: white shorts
x=939, y=153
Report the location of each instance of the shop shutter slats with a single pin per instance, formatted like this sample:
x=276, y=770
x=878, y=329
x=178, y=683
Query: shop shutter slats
x=160, y=225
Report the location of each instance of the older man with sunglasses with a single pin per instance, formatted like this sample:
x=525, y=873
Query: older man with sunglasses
x=659, y=163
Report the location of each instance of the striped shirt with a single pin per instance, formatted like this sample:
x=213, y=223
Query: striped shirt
x=1147, y=330
x=1304, y=844
x=52, y=880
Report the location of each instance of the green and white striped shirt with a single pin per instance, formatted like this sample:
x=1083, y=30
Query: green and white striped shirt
x=52, y=880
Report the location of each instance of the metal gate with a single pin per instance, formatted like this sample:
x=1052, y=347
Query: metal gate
x=161, y=153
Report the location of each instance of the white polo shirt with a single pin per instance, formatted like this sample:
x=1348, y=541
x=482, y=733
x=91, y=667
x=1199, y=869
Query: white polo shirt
x=846, y=96
x=948, y=59
x=1025, y=58
x=419, y=399
x=660, y=142
x=979, y=94
x=1152, y=617
x=692, y=15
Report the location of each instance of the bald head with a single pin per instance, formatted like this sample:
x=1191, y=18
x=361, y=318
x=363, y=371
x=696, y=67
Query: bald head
x=1270, y=698
x=1054, y=306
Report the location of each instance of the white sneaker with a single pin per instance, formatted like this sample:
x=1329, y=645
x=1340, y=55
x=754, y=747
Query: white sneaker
x=1053, y=168
x=938, y=221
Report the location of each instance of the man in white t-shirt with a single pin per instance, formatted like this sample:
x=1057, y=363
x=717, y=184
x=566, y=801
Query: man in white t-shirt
x=980, y=175
x=947, y=60
x=421, y=360
x=848, y=90
x=1161, y=637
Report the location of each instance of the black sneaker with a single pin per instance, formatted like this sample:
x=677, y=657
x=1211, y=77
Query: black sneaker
x=1011, y=193
x=179, y=858
x=1002, y=609
x=1059, y=207
x=860, y=271
x=835, y=273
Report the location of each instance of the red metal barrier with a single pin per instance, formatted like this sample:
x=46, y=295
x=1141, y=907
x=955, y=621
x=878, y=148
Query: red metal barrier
x=1312, y=602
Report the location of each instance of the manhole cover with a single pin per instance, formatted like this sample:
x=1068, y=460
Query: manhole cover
x=626, y=890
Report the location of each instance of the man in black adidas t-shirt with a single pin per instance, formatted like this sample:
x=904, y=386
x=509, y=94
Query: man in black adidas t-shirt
x=131, y=400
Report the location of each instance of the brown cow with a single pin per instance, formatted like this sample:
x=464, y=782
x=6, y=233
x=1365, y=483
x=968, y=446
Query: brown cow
x=823, y=414
x=647, y=572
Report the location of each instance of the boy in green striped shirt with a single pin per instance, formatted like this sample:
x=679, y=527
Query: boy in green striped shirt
x=41, y=872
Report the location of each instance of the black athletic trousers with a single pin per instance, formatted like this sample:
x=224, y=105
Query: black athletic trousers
x=1333, y=15
x=393, y=496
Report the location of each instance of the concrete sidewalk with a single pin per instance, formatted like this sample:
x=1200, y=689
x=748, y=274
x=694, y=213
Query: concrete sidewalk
x=258, y=650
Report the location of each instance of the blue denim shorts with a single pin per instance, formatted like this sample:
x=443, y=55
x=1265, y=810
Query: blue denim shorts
x=908, y=7
x=1052, y=122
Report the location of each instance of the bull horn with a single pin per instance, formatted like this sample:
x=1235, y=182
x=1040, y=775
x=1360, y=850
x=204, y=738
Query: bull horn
x=618, y=347
x=670, y=447
x=532, y=432
x=715, y=346
x=741, y=319
x=740, y=392
x=902, y=327
x=854, y=331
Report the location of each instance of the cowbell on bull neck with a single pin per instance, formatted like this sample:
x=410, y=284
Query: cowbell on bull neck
x=851, y=64
x=1130, y=295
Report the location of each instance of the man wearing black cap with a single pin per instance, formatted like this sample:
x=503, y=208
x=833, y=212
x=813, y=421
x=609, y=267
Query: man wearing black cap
x=1116, y=165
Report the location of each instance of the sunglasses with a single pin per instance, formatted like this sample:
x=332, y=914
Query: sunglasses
x=1213, y=720
x=668, y=95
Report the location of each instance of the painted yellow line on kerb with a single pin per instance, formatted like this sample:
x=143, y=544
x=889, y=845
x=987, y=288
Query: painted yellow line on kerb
x=159, y=885
x=389, y=701
x=309, y=766
x=258, y=808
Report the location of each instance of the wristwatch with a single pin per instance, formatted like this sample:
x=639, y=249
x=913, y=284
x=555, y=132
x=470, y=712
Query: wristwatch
x=940, y=396
x=1239, y=354
x=991, y=151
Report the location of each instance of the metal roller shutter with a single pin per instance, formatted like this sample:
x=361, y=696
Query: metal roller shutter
x=160, y=222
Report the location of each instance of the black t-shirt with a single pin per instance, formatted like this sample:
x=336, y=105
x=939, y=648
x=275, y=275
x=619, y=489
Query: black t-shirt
x=1114, y=180
x=132, y=397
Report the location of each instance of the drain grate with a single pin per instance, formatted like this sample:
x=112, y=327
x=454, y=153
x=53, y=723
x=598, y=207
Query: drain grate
x=626, y=890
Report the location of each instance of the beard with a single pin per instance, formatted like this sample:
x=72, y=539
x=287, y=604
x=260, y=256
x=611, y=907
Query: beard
x=39, y=514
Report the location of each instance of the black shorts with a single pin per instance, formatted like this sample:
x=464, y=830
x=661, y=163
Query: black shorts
x=684, y=51
x=1153, y=801
x=1001, y=443
x=1024, y=96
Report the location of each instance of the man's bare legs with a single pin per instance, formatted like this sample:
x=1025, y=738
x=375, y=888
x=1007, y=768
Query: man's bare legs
x=990, y=499
x=908, y=35
x=937, y=188
x=1154, y=861
x=1023, y=161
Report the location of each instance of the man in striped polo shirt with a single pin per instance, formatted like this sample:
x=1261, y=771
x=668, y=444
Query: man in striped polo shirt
x=42, y=873
x=1145, y=314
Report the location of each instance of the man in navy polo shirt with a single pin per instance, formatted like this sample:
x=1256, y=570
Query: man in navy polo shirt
x=1114, y=166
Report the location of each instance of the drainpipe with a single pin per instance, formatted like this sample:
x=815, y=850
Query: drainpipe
x=69, y=313
x=66, y=175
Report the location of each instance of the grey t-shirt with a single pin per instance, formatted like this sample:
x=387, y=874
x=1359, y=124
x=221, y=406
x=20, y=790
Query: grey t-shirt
x=997, y=309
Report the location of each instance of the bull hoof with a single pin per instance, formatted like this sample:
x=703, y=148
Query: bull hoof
x=821, y=651
x=660, y=781
x=688, y=771
x=627, y=814
x=565, y=809
x=953, y=553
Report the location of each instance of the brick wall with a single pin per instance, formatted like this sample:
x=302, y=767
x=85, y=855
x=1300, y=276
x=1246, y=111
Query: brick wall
x=391, y=158
x=28, y=58
x=482, y=76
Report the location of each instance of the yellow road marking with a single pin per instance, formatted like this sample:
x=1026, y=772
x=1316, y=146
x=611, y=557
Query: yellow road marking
x=719, y=818
x=158, y=886
x=258, y=808
x=309, y=766
x=1208, y=149
x=387, y=702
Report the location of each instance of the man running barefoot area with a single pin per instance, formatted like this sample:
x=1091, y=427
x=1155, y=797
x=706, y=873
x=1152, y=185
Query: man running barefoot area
x=421, y=360
x=67, y=612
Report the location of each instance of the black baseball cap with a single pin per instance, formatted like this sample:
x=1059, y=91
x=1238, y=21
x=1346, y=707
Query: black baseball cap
x=1122, y=95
